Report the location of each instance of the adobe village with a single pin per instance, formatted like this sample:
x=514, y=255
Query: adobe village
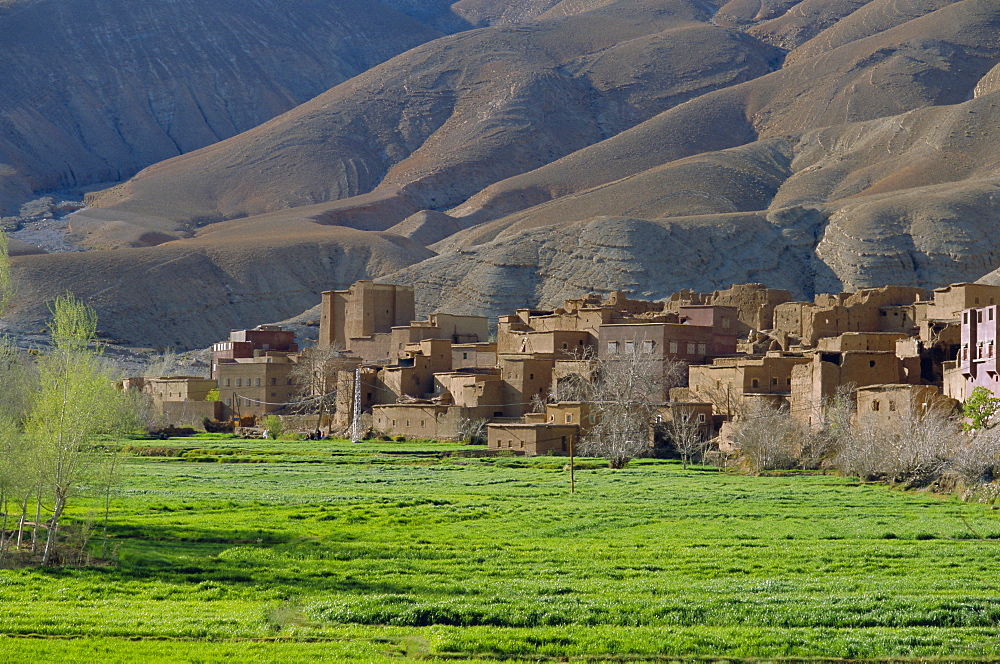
x=709, y=360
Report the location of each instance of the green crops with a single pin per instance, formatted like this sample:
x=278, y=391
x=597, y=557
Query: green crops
x=270, y=551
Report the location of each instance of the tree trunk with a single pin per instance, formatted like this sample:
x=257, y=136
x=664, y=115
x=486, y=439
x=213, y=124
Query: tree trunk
x=38, y=520
x=53, y=527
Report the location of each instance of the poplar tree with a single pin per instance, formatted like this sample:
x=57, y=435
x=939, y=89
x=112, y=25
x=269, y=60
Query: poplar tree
x=76, y=401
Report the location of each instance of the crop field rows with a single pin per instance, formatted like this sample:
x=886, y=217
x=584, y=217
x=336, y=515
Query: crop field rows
x=274, y=551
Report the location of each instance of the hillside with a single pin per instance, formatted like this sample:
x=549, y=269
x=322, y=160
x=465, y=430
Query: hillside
x=93, y=92
x=573, y=146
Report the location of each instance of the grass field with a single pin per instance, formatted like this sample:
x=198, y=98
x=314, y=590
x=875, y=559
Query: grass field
x=273, y=551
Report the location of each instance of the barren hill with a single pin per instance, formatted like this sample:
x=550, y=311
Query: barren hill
x=581, y=145
x=450, y=117
x=91, y=92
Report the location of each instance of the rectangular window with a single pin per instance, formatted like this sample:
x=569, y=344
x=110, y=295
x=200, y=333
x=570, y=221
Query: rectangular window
x=630, y=346
x=673, y=347
x=228, y=382
x=569, y=418
x=274, y=381
x=612, y=347
x=702, y=349
x=774, y=381
x=647, y=346
x=257, y=382
x=239, y=382
x=701, y=418
x=691, y=347
x=465, y=356
x=754, y=383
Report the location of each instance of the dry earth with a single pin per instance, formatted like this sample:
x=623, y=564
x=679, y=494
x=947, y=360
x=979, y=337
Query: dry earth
x=573, y=146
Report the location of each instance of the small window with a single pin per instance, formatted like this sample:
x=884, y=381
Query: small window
x=229, y=401
x=565, y=345
x=990, y=314
x=788, y=381
x=965, y=317
x=239, y=382
x=407, y=423
x=754, y=383
x=883, y=312
x=647, y=346
x=531, y=376
x=569, y=419
x=871, y=363
x=774, y=381
x=421, y=422
x=673, y=347
x=257, y=382
x=289, y=382
x=702, y=349
x=892, y=406
x=612, y=347
x=690, y=348
x=369, y=397
x=630, y=346
x=465, y=356
x=875, y=405
x=701, y=418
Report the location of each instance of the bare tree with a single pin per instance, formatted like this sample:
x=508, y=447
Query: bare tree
x=912, y=448
x=625, y=392
x=686, y=433
x=819, y=446
x=767, y=437
x=473, y=430
x=316, y=375
x=976, y=457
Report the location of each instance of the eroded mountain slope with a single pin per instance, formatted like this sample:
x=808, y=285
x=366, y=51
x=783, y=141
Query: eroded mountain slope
x=93, y=91
x=450, y=117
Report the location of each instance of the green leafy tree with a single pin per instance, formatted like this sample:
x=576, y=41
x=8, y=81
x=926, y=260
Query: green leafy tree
x=274, y=426
x=979, y=409
x=77, y=400
x=213, y=394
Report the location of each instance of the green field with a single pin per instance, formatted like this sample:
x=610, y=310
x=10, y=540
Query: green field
x=273, y=551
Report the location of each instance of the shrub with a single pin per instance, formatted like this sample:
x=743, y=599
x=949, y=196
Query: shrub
x=274, y=426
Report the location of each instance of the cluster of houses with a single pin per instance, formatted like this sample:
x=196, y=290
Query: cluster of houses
x=894, y=348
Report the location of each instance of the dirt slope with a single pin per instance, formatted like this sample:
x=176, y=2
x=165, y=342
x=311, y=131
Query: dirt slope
x=580, y=145
x=453, y=116
x=93, y=91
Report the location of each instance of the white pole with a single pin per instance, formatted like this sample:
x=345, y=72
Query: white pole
x=356, y=424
